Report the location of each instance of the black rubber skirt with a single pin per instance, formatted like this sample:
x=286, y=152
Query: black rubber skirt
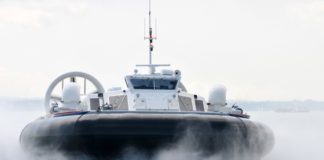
x=108, y=134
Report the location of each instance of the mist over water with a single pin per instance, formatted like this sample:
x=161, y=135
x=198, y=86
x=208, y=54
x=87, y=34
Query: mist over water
x=298, y=136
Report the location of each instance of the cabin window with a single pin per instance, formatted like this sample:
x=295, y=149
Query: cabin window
x=119, y=102
x=142, y=83
x=158, y=84
x=94, y=103
x=199, y=105
x=185, y=103
x=165, y=84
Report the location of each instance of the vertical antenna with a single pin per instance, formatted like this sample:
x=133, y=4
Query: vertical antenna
x=144, y=28
x=150, y=32
x=150, y=37
x=155, y=29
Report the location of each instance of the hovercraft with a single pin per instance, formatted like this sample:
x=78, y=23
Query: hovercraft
x=154, y=112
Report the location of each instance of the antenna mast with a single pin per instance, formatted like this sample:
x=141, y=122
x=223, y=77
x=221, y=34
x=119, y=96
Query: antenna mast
x=151, y=38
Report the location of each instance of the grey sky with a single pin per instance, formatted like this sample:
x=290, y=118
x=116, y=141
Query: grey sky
x=260, y=50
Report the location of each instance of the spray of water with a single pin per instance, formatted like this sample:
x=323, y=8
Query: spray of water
x=298, y=136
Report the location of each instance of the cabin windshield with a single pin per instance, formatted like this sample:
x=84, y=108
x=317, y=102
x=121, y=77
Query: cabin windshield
x=157, y=84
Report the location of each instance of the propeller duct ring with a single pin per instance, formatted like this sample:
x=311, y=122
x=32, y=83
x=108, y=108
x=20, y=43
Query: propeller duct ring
x=93, y=80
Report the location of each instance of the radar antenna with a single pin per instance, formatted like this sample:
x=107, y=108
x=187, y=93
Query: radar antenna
x=150, y=37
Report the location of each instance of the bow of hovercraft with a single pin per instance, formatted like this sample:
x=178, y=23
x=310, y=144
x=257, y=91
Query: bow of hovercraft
x=108, y=134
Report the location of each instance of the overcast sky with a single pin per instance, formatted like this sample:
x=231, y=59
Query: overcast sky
x=260, y=50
